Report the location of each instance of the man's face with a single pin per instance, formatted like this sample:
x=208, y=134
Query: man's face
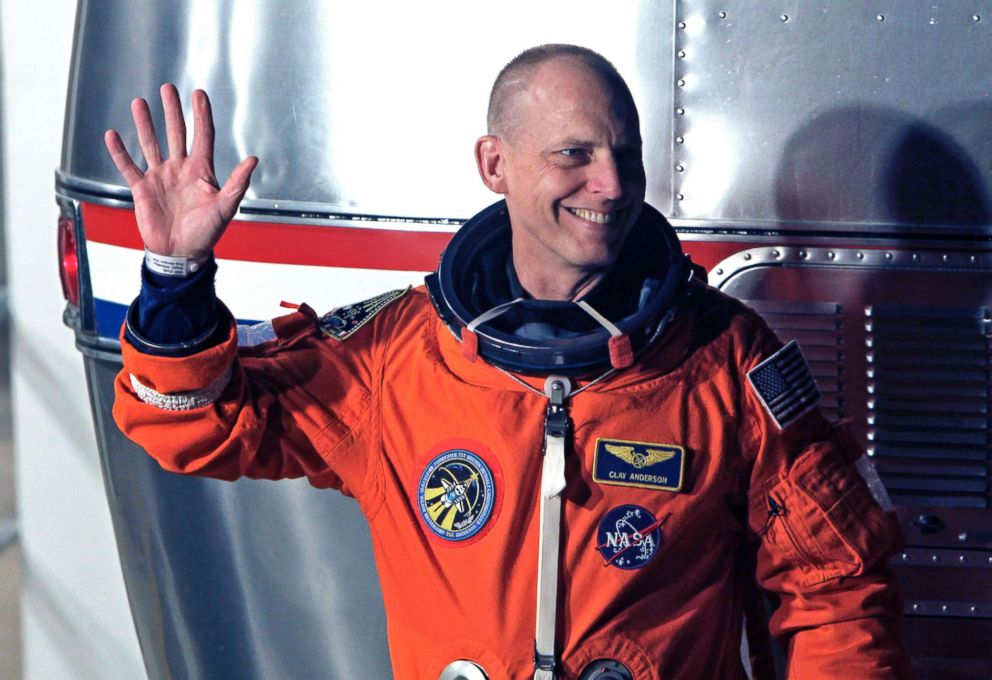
x=574, y=177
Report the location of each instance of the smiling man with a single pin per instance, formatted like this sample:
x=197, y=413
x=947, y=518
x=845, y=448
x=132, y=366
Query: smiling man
x=570, y=450
x=564, y=148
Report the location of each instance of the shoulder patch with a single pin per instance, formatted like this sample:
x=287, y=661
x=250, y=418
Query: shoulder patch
x=784, y=385
x=342, y=322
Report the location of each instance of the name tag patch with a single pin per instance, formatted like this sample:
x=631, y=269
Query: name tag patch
x=639, y=464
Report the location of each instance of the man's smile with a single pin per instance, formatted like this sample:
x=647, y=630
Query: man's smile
x=594, y=215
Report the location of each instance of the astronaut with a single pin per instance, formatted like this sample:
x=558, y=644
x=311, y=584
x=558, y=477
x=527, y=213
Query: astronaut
x=583, y=457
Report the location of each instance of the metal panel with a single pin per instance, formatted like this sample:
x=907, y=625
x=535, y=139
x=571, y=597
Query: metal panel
x=912, y=370
x=369, y=108
x=815, y=114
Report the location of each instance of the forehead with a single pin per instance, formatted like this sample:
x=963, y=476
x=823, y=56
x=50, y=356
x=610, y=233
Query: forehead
x=567, y=98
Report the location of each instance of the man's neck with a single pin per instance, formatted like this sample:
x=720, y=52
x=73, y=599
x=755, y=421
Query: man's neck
x=547, y=284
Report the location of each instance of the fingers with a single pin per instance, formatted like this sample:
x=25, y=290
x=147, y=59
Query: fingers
x=122, y=159
x=175, y=124
x=235, y=187
x=203, y=127
x=146, y=132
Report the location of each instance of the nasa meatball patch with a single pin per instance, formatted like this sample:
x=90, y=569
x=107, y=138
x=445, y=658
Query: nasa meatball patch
x=344, y=321
x=639, y=464
x=457, y=495
x=629, y=537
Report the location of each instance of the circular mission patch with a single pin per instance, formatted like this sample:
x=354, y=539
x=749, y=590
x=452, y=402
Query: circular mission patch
x=456, y=494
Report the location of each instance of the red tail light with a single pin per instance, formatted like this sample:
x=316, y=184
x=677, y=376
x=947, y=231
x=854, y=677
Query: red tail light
x=68, y=260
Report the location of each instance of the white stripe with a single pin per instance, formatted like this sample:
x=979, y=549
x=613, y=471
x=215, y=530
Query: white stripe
x=255, y=334
x=875, y=486
x=182, y=401
x=251, y=290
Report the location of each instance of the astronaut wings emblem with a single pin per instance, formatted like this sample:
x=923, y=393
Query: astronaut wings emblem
x=639, y=464
x=637, y=459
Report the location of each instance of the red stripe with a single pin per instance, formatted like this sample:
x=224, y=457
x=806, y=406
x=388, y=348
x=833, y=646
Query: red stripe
x=279, y=243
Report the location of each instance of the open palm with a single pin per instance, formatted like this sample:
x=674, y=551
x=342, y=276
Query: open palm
x=180, y=207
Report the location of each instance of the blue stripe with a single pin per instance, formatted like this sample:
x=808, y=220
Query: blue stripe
x=110, y=318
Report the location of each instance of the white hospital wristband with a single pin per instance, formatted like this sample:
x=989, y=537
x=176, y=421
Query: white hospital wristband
x=170, y=265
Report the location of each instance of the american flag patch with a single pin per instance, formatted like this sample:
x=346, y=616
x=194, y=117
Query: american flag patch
x=785, y=385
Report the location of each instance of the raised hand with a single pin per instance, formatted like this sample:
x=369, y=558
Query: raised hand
x=180, y=207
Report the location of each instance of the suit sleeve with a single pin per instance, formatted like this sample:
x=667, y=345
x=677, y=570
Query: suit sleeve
x=823, y=539
x=300, y=404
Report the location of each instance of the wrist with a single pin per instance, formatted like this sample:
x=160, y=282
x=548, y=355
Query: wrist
x=174, y=265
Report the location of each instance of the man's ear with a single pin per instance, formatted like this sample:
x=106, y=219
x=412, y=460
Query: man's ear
x=489, y=160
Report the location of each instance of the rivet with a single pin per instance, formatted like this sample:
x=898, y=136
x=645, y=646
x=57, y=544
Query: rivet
x=973, y=609
x=681, y=54
x=679, y=168
x=747, y=256
x=870, y=357
x=784, y=17
x=962, y=559
x=681, y=82
x=776, y=254
x=990, y=560
x=973, y=259
x=935, y=558
x=880, y=17
x=722, y=15
x=963, y=536
x=871, y=420
x=946, y=258
x=870, y=451
x=803, y=254
x=680, y=140
x=976, y=18
x=871, y=435
x=888, y=256
x=680, y=111
x=831, y=255
x=682, y=25
x=871, y=404
x=916, y=257
x=904, y=557
x=720, y=272
x=944, y=608
x=860, y=255
x=916, y=607
x=679, y=197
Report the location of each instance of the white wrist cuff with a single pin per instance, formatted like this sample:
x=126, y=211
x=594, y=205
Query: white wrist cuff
x=170, y=265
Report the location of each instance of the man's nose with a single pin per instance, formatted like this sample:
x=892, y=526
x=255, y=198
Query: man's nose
x=604, y=177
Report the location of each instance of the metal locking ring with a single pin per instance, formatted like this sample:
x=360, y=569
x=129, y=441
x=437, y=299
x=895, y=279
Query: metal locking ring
x=606, y=669
x=463, y=670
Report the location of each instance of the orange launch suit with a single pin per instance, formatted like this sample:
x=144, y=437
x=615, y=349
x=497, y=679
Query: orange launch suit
x=369, y=414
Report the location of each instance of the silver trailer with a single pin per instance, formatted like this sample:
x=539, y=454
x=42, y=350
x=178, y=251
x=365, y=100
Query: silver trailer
x=828, y=162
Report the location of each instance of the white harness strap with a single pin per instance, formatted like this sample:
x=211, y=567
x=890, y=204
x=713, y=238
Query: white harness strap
x=556, y=427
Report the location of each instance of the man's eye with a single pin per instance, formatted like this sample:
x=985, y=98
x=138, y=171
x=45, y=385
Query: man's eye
x=573, y=152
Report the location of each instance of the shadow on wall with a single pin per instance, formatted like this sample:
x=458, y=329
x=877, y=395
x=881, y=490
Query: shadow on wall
x=864, y=163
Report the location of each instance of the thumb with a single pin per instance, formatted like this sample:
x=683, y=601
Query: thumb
x=234, y=188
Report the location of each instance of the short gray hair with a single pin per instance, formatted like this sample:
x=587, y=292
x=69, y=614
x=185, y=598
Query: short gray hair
x=516, y=75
